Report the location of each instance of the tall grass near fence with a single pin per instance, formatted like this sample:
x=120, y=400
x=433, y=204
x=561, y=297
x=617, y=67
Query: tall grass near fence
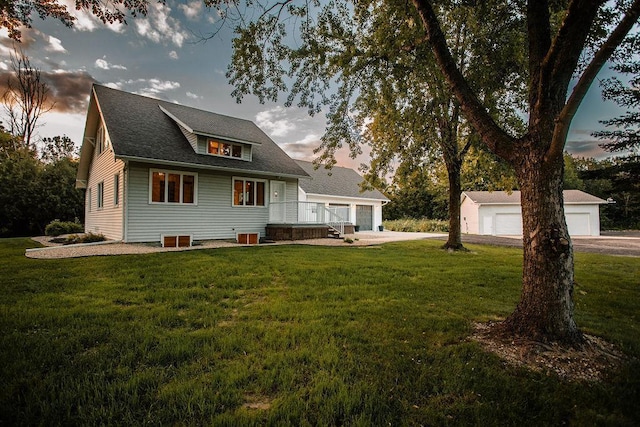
x=417, y=225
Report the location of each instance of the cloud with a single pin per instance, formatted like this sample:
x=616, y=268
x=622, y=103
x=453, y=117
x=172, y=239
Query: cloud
x=87, y=21
x=159, y=27
x=303, y=148
x=173, y=54
x=30, y=37
x=191, y=10
x=275, y=121
x=193, y=95
x=586, y=148
x=55, y=45
x=70, y=90
x=154, y=87
x=114, y=85
x=103, y=64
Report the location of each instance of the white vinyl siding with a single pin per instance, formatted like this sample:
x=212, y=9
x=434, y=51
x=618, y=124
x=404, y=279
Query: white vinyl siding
x=107, y=220
x=213, y=217
x=191, y=137
x=469, y=217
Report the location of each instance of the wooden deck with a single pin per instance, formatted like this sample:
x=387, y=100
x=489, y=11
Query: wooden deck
x=302, y=231
x=296, y=231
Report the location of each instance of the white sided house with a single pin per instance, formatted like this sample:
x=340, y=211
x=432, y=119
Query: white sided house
x=338, y=189
x=155, y=171
x=498, y=213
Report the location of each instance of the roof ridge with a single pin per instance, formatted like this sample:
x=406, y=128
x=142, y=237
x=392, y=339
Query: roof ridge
x=164, y=101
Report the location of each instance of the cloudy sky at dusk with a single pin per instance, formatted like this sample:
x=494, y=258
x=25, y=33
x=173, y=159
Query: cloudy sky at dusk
x=162, y=55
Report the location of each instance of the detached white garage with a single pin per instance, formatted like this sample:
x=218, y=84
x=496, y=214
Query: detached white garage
x=498, y=213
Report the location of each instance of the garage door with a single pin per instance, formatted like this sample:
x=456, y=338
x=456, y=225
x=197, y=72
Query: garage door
x=508, y=224
x=578, y=224
x=364, y=217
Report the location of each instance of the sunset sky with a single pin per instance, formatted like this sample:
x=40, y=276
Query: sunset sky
x=163, y=55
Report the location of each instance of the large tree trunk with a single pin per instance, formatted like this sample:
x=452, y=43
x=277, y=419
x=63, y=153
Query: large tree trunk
x=454, y=242
x=545, y=310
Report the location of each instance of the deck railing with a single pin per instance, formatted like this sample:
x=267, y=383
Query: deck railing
x=306, y=213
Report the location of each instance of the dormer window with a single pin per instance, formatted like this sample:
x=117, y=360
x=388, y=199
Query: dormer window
x=224, y=149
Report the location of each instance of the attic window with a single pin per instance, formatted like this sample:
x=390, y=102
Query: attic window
x=224, y=149
x=101, y=139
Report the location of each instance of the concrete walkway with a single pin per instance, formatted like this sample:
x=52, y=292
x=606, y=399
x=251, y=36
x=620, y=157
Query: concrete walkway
x=364, y=238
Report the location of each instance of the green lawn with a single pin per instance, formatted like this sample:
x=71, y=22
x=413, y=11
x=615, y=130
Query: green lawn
x=295, y=335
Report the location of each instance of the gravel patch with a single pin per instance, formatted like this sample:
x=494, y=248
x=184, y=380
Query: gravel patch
x=55, y=251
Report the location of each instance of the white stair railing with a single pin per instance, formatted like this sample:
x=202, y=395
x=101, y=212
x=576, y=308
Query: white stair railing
x=306, y=213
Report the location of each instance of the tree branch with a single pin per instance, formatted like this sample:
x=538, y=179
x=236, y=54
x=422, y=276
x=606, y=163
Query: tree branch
x=492, y=135
x=588, y=76
x=539, y=32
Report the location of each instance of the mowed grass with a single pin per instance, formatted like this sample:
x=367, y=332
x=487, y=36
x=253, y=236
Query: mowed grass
x=295, y=335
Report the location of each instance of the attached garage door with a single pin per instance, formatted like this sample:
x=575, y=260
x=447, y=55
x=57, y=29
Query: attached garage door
x=508, y=224
x=364, y=217
x=578, y=224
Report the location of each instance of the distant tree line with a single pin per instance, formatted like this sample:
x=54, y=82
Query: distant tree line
x=616, y=179
x=37, y=175
x=420, y=192
x=36, y=189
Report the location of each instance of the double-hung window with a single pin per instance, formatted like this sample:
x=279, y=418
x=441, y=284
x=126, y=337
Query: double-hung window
x=173, y=187
x=248, y=192
x=100, y=195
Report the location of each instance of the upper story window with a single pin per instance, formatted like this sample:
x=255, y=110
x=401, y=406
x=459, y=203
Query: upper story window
x=101, y=139
x=173, y=187
x=224, y=149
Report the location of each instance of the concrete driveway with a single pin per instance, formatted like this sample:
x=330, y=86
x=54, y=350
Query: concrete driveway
x=625, y=243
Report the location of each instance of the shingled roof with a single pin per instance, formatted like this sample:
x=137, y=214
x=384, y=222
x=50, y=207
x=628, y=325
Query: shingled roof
x=337, y=181
x=140, y=130
x=571, y=197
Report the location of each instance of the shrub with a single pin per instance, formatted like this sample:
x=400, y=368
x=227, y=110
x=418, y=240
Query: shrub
x=91, y=238
x=80, y=238
x=57, y=227
x=417, y=225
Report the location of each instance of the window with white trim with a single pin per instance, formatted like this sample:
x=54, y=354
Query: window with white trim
x=248, y=192
x=172, y=187
x=100, y=195
x=101, y=139
x=224, y=149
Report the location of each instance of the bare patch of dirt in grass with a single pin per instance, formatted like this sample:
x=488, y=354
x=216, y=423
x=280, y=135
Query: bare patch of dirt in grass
x=260, y=403
x=590, y=362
